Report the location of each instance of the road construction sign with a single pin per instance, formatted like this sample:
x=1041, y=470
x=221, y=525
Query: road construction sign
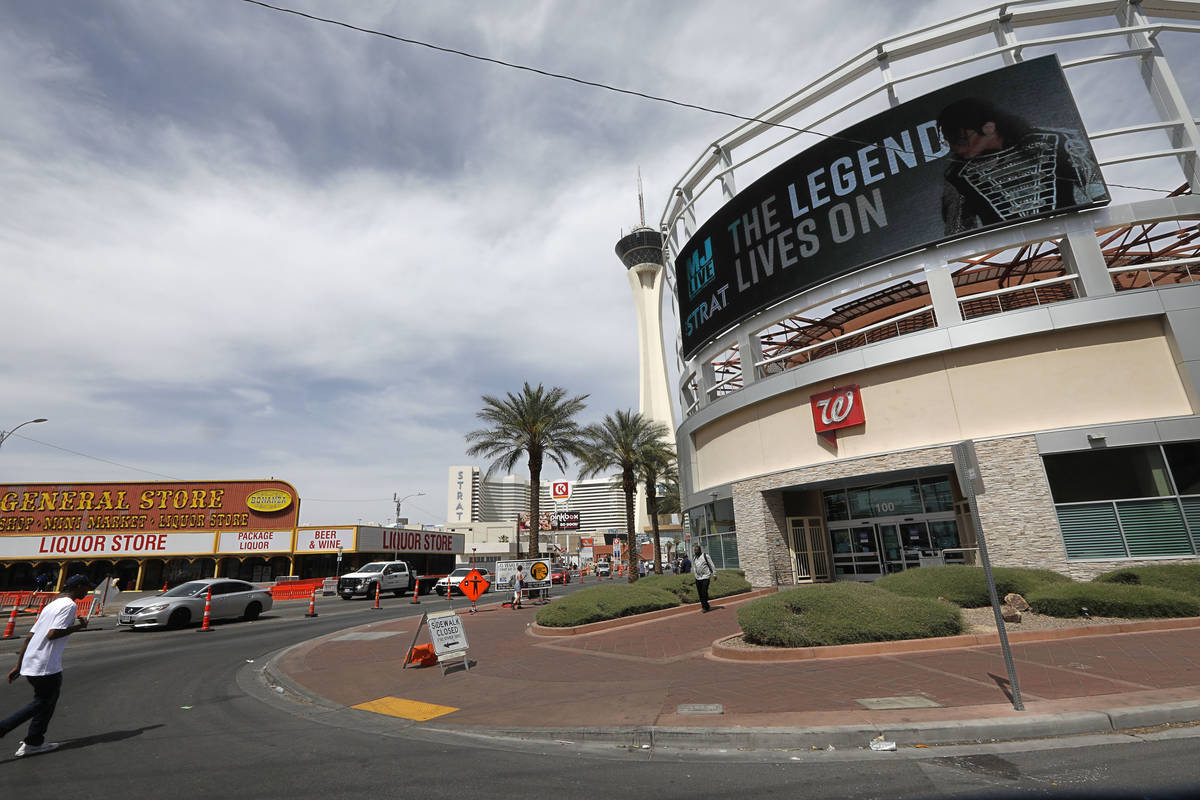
x=473, y=585
x=530, y=568
x=446, y=631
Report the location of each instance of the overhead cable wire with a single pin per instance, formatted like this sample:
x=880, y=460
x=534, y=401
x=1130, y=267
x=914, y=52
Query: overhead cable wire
x=96, y=458
x=604, y=86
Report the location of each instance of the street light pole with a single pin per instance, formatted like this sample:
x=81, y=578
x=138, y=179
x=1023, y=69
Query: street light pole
x=5, y=434
x=398, y=500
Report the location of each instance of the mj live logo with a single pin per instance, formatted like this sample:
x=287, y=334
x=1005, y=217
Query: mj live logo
x=700, y=269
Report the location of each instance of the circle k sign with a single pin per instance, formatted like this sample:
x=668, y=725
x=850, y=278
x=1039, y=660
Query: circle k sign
x=560, y=490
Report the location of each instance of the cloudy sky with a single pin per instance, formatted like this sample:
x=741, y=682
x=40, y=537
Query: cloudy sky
x=240, y=244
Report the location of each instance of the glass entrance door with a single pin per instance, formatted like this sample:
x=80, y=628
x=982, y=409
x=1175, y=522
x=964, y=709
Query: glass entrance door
x=901, y=544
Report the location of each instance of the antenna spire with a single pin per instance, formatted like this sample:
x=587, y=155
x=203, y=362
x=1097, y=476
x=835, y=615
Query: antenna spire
x=641, y=201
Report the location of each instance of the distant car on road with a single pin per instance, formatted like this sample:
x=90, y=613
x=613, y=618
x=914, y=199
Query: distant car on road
x=175, y=608
x=560, y=575
x=603, y=570
x=451, y=582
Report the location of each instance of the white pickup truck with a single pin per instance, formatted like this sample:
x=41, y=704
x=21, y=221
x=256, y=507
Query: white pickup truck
x=390, y=576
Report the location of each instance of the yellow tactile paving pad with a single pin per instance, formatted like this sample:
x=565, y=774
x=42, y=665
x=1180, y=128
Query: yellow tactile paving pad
x=408, y=709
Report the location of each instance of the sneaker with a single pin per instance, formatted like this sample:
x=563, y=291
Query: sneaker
x=34, y=749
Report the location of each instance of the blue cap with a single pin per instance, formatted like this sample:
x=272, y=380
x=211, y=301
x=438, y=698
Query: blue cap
x=79, y=580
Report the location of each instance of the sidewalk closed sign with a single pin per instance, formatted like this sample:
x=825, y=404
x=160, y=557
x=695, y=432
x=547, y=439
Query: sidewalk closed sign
x=446, y=631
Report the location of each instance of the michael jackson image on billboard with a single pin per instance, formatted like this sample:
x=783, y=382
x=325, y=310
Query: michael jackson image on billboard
x=1003, y=169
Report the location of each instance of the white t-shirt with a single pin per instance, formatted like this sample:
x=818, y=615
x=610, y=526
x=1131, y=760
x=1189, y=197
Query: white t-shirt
x=43, y=656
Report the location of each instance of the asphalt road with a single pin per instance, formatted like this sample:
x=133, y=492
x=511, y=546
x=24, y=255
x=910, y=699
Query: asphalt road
x=182, y=714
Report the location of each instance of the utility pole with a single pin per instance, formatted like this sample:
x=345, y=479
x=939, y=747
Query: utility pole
x=398, y=500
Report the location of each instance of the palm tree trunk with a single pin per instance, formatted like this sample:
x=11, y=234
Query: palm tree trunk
x=633, y=551
x=652, y=503
x=535, y=503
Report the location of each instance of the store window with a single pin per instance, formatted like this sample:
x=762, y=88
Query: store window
x=1104, y=474
x=713, y=528
x=1128, y=502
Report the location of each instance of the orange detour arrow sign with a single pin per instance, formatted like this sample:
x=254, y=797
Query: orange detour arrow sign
x=473, y=585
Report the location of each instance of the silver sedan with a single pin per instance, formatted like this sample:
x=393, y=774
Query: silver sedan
x=184, y=604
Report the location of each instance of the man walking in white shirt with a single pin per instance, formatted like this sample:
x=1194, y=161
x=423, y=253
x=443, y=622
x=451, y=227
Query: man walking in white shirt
x=40, y=661
x=703, y=570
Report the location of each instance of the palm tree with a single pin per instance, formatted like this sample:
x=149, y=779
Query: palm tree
x=620, y=442
x=658, y=463
x=537, y=423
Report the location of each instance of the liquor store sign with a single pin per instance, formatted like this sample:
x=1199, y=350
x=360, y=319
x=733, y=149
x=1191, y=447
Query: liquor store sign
x=105, y=545
x=86, y=546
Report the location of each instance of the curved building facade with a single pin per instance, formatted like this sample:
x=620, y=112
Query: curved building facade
x=1000, y=244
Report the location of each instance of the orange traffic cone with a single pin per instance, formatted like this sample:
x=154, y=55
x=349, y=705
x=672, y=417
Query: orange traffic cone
x=11, y=626
x=207, y=611
x=164, y=588
x=416, y=592
x=376, y=606
x=312, y=605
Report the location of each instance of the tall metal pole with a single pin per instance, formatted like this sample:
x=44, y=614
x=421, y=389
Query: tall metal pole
x=398, y=500
x=966, y=465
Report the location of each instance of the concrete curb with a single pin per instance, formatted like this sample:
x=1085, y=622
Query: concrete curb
x=775, y=655
x=933, y=733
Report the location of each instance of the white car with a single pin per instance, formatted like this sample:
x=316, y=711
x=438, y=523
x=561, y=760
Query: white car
x=184, y=604
x=451, y=582
x=603, y=569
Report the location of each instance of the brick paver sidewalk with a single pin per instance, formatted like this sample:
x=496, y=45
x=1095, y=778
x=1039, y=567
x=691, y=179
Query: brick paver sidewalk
x=639, y=674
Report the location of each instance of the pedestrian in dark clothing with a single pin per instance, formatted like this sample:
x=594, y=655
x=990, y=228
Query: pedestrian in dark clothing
x=40, y=661
x=703, y=569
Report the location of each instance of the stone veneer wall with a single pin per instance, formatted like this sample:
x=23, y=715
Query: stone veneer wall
x=1016, y=510
x=758, y=505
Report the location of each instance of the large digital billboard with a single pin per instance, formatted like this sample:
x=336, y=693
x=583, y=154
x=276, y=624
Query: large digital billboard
x=1000, y=148
x=552, y=521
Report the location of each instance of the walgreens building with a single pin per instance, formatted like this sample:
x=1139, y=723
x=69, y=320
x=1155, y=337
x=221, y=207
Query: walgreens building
x=985, y=246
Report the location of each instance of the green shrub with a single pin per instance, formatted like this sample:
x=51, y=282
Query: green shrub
x=726, y=582
x=844, y=613
x=967, y=586
x=1109, y=599
x=1177, y=577
x=598, y=603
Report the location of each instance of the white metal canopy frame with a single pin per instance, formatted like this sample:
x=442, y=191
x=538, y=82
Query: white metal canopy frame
x=1114, y=54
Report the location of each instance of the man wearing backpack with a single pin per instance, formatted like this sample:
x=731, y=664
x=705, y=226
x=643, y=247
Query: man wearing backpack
x=703, y=570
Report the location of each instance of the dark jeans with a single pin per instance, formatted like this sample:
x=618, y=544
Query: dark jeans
x=45, y=696
x=702, y=590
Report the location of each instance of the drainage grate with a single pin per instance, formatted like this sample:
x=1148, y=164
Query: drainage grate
x=700, y=708
x=884, y=703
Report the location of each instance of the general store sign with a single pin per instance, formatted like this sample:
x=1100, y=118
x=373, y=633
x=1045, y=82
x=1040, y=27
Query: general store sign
x=167, y=507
